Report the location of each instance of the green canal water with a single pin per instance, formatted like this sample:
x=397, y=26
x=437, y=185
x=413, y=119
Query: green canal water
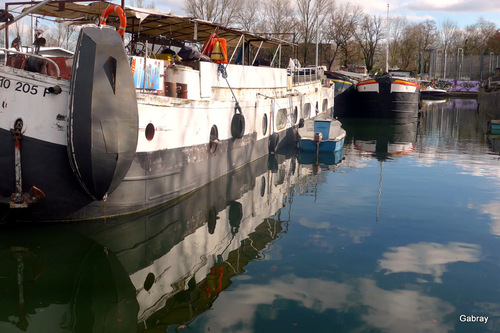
x=399, y=233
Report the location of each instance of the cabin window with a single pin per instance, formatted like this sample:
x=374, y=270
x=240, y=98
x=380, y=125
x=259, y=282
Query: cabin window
x=150, y=132
x=281, y=119
x=317, y=107
x=295, y=114
x=325, y=106
x=306, y=112
x=264, y=124
x=214, y=139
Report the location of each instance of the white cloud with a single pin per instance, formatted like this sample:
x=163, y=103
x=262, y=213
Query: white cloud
x=404, y=310
x=452, y=5
x=390, y=310
x=314, y=225
x=493, y=209
x=428, y=258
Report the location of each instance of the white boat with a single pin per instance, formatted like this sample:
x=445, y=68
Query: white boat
x=432, y=92
x=108, y=132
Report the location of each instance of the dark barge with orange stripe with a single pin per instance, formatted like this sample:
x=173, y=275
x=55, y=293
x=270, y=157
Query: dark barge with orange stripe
x=386, y=97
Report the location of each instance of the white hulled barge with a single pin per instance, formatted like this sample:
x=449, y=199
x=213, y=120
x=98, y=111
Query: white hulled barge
x=114, y=130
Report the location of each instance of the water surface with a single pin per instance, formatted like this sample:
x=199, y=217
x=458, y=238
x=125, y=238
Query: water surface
x=400, y=234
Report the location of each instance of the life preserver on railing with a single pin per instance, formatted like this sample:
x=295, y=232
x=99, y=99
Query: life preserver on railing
x=118, y=10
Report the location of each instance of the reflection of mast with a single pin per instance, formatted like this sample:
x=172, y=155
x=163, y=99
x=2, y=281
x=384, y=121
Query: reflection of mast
x=379, y=189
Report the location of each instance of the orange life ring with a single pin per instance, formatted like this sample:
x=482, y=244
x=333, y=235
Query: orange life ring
x=117, y=9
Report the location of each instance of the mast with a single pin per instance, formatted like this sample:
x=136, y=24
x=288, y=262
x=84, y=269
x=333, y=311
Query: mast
x=387, y=46
x=317, y=33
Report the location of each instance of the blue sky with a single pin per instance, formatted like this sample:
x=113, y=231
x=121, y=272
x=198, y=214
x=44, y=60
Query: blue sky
x=463, y=12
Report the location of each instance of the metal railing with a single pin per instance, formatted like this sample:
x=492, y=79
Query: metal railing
x=305, y=75
x=7, y=51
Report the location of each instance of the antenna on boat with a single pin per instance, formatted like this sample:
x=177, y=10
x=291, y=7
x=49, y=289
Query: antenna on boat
x=387, y=46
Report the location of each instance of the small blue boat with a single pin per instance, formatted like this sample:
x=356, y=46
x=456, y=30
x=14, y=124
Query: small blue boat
x=494, y=126
x=321, y=134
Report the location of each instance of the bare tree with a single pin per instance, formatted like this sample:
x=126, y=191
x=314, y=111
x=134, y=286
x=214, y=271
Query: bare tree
x=63, y=35
x=399, y=24
x=311, y=13
x=142, y=4
x=22, y=30
x=403, y=45
x=451, y=38
x=477, y=36
x=494, y=42
x=223, y=12
x=449, y=34
x=426, y=37
x=368, y=36
x=250, y=16
x=280, y=19
x=339, y=32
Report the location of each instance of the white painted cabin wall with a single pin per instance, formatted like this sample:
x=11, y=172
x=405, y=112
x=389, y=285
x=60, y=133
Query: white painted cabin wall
x=187, y=75
x=240, y=77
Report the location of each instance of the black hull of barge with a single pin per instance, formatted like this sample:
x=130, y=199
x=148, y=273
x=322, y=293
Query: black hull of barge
x=387, y=105
x=383, y=103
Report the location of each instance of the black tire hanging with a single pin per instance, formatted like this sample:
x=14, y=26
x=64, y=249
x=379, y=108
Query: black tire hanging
x=238, y=126
x=235, y=216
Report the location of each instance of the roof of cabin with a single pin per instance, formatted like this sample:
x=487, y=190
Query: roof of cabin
x=148, y=23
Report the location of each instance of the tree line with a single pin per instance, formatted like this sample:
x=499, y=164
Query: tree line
x=345, y=34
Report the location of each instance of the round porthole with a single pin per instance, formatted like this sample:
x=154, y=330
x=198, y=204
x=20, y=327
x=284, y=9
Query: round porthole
x=214, y=139
x=150, y=280
x=264, y=124
x=150, y=132
x=212, y=220
x=262, y=186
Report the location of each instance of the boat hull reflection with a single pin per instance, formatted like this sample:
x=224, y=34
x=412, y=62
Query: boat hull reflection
x=383, y=138
x=165, y=267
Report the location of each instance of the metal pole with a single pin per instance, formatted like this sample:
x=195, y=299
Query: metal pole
x=459, y=63
x=388, y=42
x=492, y=59
x=481, y=59
x=422, y=62
x=444, y=72
x=317, y=33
